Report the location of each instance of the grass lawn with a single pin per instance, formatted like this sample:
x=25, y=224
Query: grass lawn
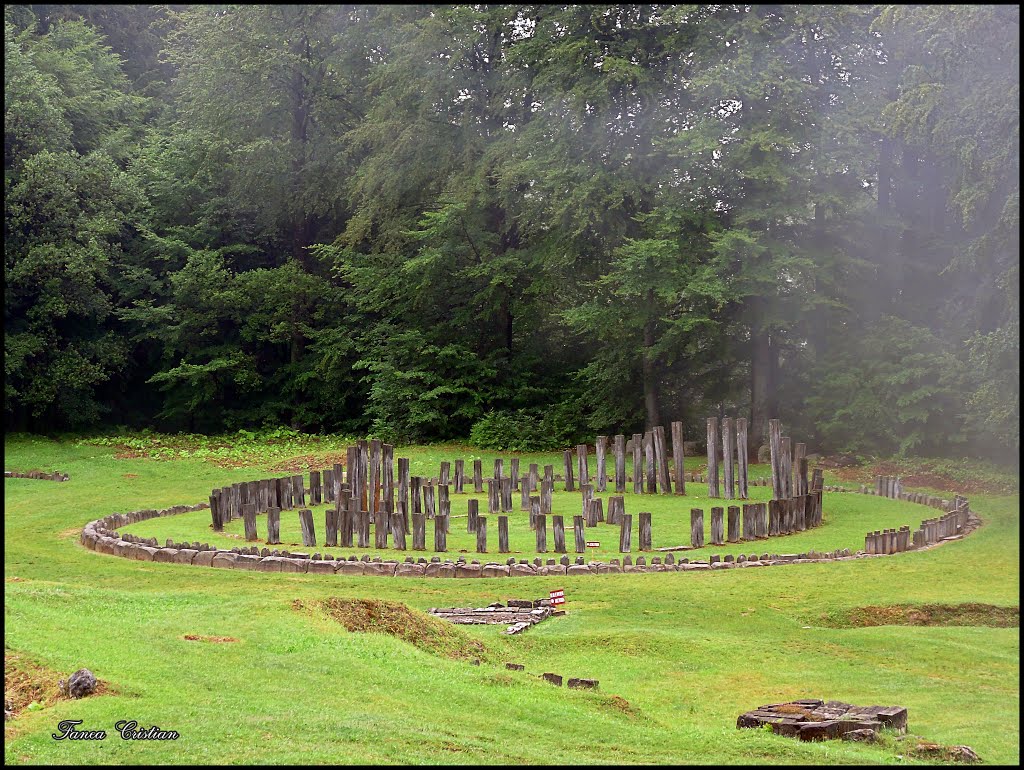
x=679, y=655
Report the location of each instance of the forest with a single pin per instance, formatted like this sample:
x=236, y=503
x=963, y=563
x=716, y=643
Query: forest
x=517, y=225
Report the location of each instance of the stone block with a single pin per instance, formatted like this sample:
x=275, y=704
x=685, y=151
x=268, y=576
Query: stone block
x=185, y=556
x=224, y=559
x=410, y=570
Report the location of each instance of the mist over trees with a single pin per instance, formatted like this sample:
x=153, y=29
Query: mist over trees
x=521, y=224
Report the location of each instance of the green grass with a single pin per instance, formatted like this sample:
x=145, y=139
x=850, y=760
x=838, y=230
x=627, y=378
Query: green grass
x=688, y=651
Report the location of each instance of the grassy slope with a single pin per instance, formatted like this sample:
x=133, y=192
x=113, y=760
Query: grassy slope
x=689, y=651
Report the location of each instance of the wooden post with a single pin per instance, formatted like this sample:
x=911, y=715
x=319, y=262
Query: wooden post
x=626, y=534
x=542, y=529
x=787, y=467
x=533, y=477
x=493, y=504
x=549, y=475
x=381, y=529
x=713, y=457
x=800, y=469
x=314, y=488
x=619, y=448
x=590, y=506
x=581, y=463
x=499, y=468
x=775, y=518
x=478, y=476
x=397, y=530
x=645, y=531
x=428, y=498
x=616, y=507
x=567, y=459
x=558, y=528
x=460, y=475
x=404, y=482
x=734, y=524
x=661, y=460
x=249, y=516
x=503, y=534
x=749, y=526
x=638, y=463
x=524, y=493
x=546, y=490
x=217, y=522
x=415, y=494
x=364, y=526
x=775, y=444
x=505, y=491
x=445, y=474
x=330, y=527
x=534, y=510
x=328, y=477
x=273, y=526
x=440, y=534
x=587, y=492
x=481, y=534
x=678, y=457
x=741, y=456
x=444, y=503
x=601, y=449
x=717, y=526
x=651, y=474
x=345, y=527
x=419, y=531
x=728, y=451
x=374, y=479
x=387, y=464
x=577, y=530
x=696, y=527
x=308, y=533
x=473, y=515
x=513, y=472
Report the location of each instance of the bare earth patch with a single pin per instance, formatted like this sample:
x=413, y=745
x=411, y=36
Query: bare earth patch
x=927, y=615
x=620, y=704
x=311, y=462
x=396, y=619
x=214, y=639
x=26, y=682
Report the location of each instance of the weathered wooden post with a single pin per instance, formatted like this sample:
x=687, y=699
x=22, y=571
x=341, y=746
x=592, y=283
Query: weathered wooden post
x=524, y=493
x=558, y=528
x=713, y=457
x=800, y=469
x=404, y=482
x=787, y=467
x=330, y=527
x=649, y=469
x=616, y=507
x=419, y=531
x=397, y=530
x=440, y=534
x=314, y=488
x=249, y=517
x=506, y=494
x=581, y=463
x=577, y=530
x=549, y=475
x=661, y=460
x=478, y=476
x=645, y=531
x=587, y=493
x=749, y=525
x=590, y=508
x=541, y=522
x=734, y=524
x=775, y=517
x=273, y=526
x=678, y=457
x=717, y=526
x=567, y=460
x=762, y=520
x=697, y=527
x=533, y=477
x=373, y=485
x=364, y=527
x=473, y=511
x=387, y=464
x=217, y=522
x=638, y=463
x=741, y=456
x=499, y=468
x=328, y=477
x=546, y=490
x=503, y=534
x=481, y=534
x=444, y=476
x=601, y=448
x=728, y=452
x=428, y=497
x=626, y=534
x=345, y=518
x=416, y=494
x=619, y=449
x=493, y=504
x=381, y=529
x=513, y=472
x=299, y=490
x=444, y=501
x=306, y=523
x=775, y=444
x=460, y=475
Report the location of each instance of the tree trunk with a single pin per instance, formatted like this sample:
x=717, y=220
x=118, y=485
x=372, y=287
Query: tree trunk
x=652, y=393
x=762, y=387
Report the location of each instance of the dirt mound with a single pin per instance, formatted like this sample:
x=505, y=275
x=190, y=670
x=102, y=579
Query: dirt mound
x=308, y=463
x=927, y=615
x=214, y=639
x=26, y=682
x=409, y=625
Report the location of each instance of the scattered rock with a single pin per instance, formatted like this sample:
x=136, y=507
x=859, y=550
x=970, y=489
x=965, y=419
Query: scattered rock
x=81, y=683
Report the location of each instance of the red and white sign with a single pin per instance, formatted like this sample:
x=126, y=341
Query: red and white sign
x=593, y=544
x=557, y=597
